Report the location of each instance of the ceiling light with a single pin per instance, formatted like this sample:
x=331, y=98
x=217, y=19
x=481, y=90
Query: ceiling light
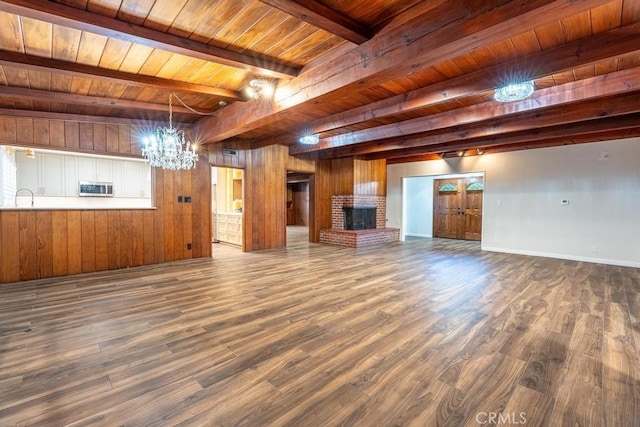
x=514, y=92
x=309, y=139
x=168, y=149
x=258, y=88
x=460, y=153
x=480, y=151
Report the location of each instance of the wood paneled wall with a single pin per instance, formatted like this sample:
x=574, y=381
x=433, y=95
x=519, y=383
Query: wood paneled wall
x=94, y=138
x=344, y=176
x=265, y=204
x=218, y=156
x=370, y=177
x=45, y=243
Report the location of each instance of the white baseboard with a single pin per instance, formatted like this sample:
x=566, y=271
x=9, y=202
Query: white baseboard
x=564, y=256
x=418, y=235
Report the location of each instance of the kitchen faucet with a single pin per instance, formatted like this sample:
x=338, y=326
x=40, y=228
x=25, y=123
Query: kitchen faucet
x=23, y=189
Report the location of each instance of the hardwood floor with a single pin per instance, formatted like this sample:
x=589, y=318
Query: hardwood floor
x=425, y=332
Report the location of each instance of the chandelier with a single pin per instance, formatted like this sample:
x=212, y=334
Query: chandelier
x=168, y=149
x=514, y=92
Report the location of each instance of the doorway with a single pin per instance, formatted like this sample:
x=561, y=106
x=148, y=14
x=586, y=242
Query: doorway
x=227, y=206
x=457, y=208
x=298, y=207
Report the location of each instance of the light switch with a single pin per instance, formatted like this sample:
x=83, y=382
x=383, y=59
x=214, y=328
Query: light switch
x=564, y=201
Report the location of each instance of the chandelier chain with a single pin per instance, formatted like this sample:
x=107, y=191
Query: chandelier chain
x=170, y=110
x=192, y=109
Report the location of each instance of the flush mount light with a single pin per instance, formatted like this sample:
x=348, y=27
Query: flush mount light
x=460, y=153
x=514, y=92
x=309, y=139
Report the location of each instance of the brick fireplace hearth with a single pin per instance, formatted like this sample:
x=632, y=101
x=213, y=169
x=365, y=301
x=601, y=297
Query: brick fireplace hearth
x=337, y=235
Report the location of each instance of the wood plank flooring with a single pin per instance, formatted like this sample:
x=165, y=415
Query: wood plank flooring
x=421, y=333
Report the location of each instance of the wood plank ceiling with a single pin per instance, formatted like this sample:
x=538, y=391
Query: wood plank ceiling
x=395, y=79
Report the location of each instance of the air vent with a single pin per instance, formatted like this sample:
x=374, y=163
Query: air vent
x=227, y=152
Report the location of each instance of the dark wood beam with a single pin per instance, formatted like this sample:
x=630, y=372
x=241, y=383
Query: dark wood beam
x=593, y=120
x=578, y=53
x=94, y=101
x=85, y=118
x=608, y=135
x=322, y=17
x=443, y=33
x=37, y=63
x=530, y=121
x=60, y=14
x=596, y=87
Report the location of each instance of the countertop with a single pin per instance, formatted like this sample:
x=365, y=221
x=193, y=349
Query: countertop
x=72, y=208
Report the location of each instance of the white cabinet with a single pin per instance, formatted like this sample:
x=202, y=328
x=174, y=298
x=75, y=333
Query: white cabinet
x=57, y=175
x=51, y=175
x=44, y=174
x=70, y=176
x=27, y=172
x=91, y=169
x=104, y=170
x=134, y=175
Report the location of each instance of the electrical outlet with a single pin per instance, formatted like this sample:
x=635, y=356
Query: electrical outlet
x=594, y=249
x=564, y=201
x=187, y=199
x=189, y=246
x=179, y=199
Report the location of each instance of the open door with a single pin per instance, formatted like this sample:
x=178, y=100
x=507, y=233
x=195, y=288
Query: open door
x=457, y=208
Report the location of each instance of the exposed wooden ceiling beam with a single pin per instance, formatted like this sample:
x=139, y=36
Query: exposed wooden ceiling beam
x=34, y=114
x=94, y=101
x=578, y=53
x=37, y=63
x=596, y=87
x=443, y=33
x=551, y=142
x=613, y=127
x=528, y=121
x=322, y=17
x=60, y=14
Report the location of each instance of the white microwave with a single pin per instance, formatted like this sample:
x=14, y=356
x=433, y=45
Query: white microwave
x=95, y=189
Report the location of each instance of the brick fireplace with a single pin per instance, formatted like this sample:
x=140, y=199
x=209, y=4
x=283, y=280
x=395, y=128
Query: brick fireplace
x=338, y=235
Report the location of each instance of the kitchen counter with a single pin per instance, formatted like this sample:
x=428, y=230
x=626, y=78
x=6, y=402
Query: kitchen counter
x=73, y=208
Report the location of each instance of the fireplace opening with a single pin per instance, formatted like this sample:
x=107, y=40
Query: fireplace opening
x=359, y=218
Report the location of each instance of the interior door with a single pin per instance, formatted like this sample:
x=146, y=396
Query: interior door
x=457, y=208
x=473, y=189
x=447, y=205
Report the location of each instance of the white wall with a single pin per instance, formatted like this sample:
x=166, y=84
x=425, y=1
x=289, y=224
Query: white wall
x=522, y=199
x=418, y=206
